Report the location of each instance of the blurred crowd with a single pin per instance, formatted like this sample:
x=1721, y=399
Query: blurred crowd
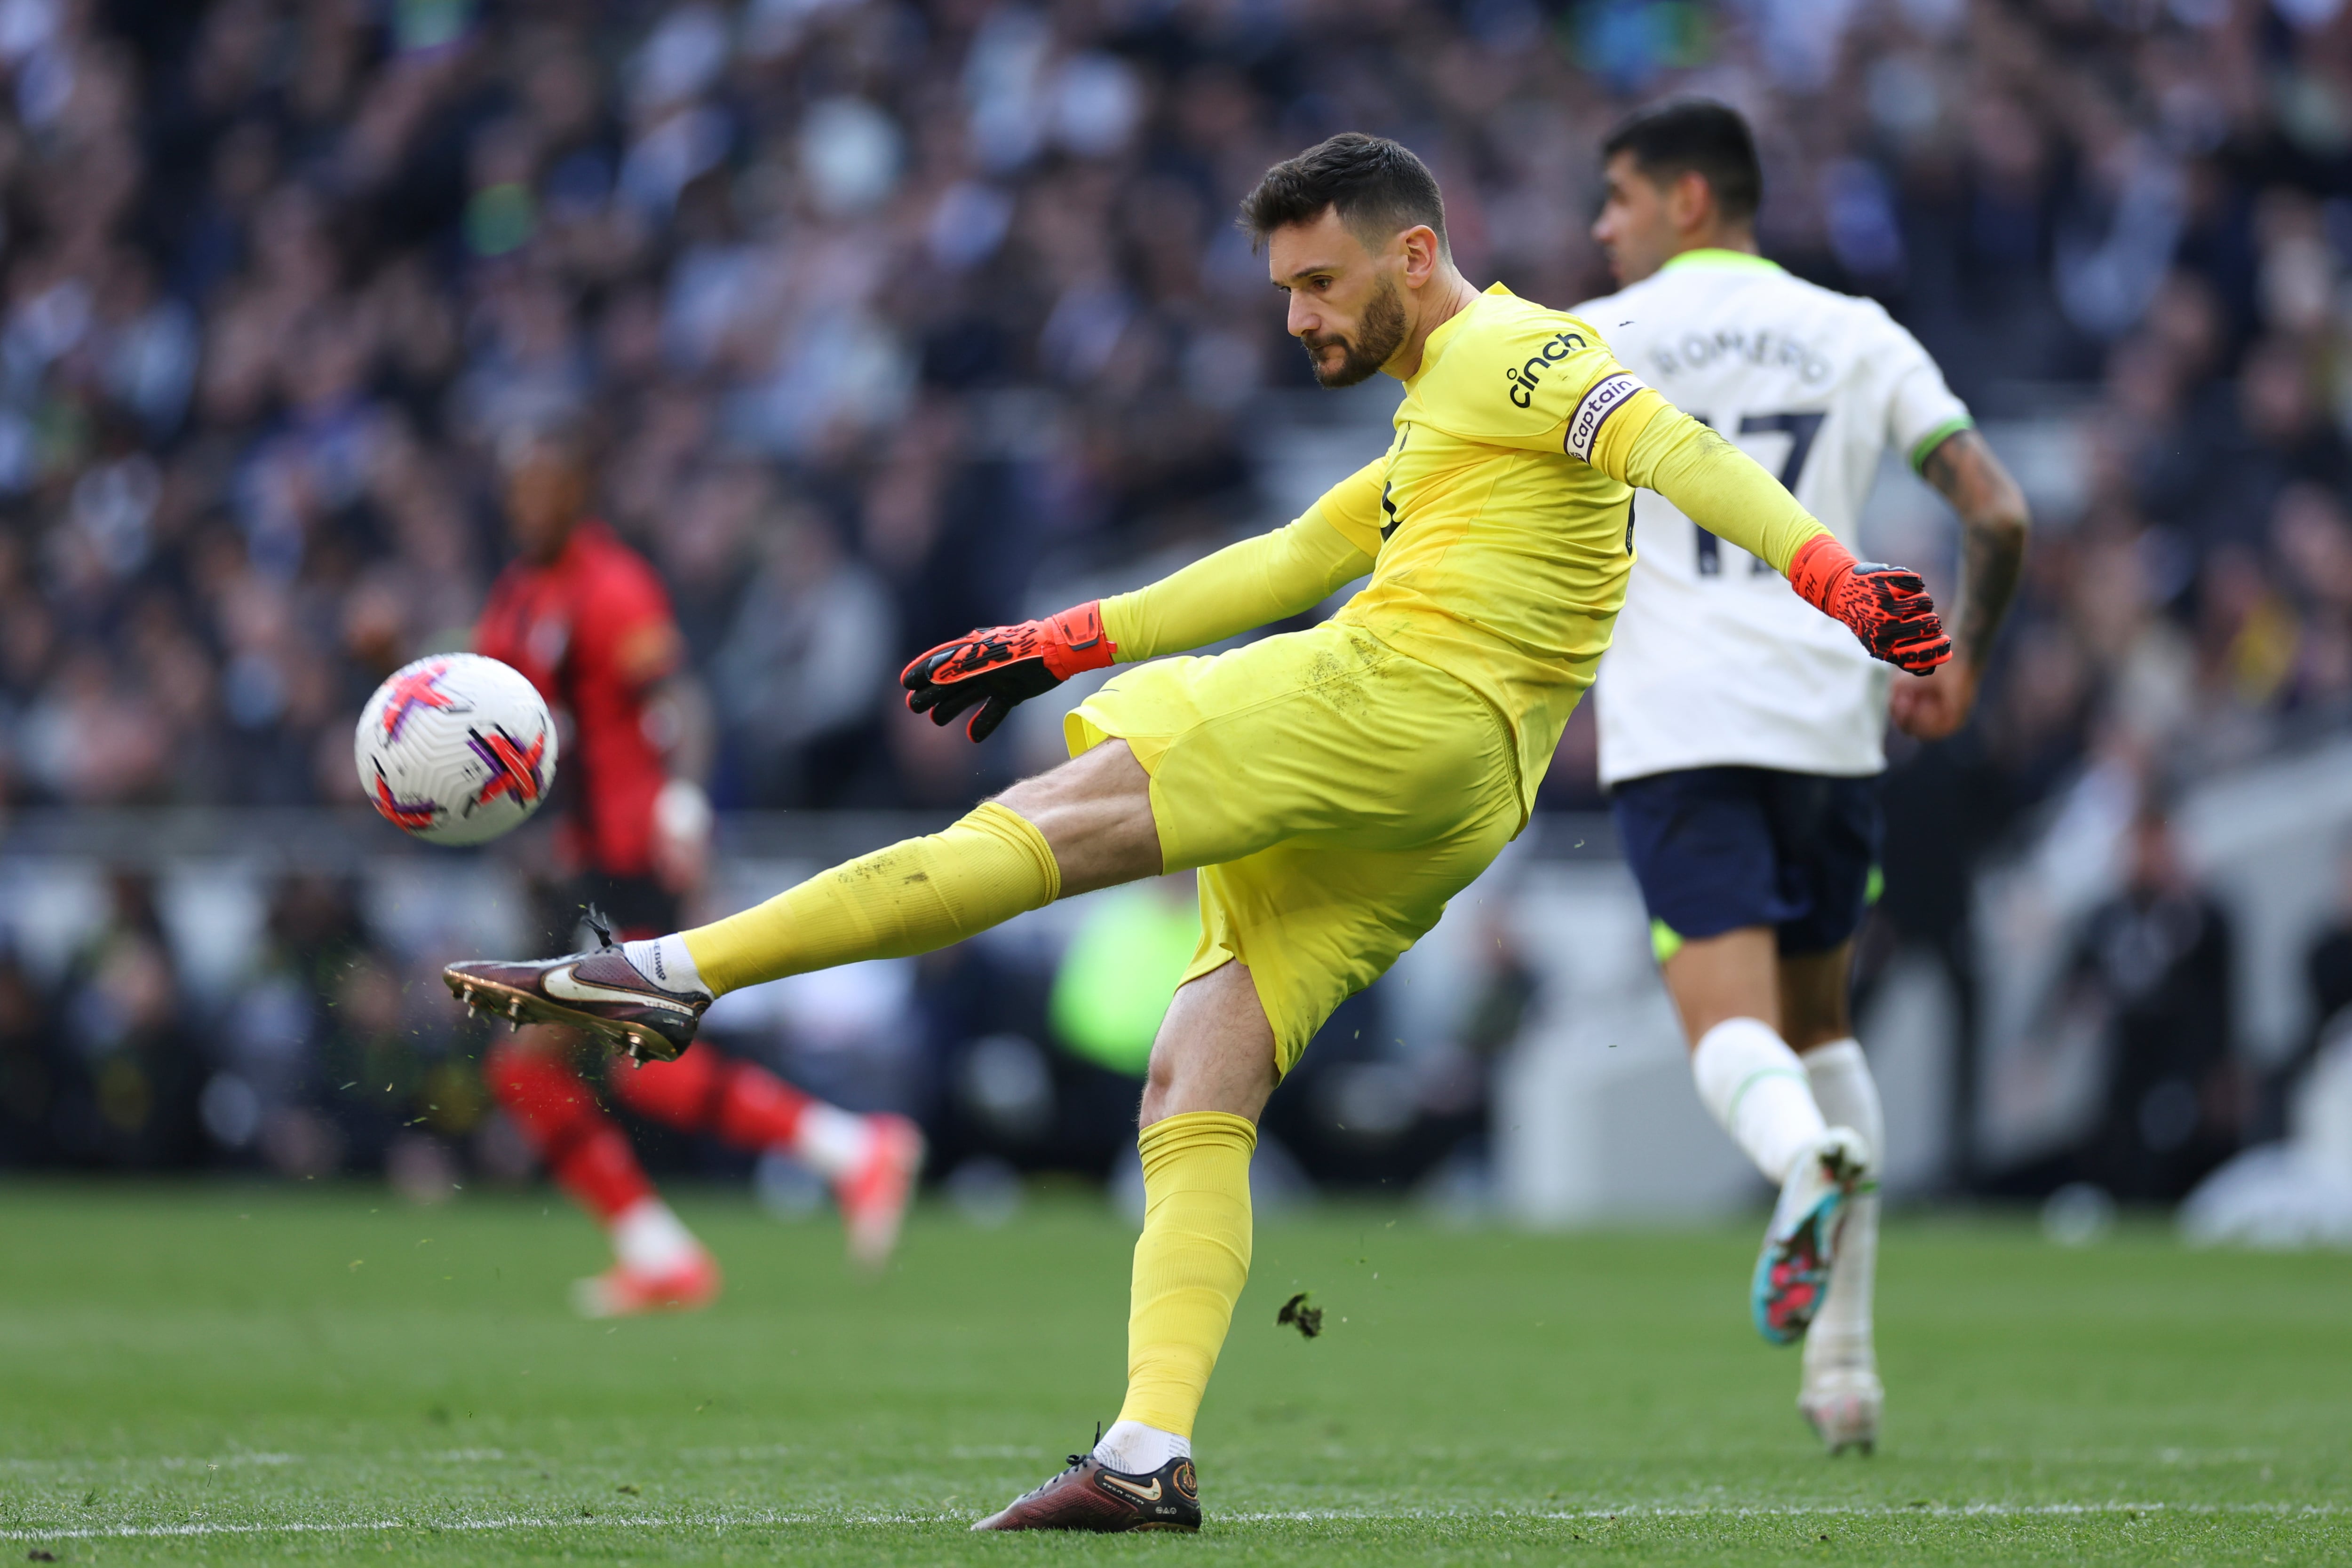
x=332, y=1047
x=887, y=313
x=892, y=318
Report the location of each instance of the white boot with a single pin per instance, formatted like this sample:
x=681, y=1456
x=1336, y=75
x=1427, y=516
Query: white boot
x=1840, y=1397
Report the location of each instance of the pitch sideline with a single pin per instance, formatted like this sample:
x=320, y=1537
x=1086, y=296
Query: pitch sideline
x=1299, y=1516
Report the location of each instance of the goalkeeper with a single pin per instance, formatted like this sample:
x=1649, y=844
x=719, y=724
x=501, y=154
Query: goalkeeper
x=1334, y=786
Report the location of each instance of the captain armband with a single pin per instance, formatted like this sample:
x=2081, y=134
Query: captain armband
x=1600, y=400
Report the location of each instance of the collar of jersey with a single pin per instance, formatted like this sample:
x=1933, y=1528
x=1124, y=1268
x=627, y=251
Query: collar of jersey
x=1717, y=259
x=1442, y=333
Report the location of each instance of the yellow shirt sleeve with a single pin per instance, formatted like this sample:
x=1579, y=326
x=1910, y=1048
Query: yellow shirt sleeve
x=1542, y=381
x=1716, y=484
x=1246, y=585
x=1545, y=381
x=1353, y=506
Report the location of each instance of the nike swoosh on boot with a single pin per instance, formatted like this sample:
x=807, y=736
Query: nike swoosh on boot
x=565, y=985
x=601, y=992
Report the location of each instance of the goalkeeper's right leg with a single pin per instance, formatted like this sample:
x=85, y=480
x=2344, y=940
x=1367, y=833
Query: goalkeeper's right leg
x=1086, y=824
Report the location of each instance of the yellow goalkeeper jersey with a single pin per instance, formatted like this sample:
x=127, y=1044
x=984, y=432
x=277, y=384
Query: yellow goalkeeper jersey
x=1501, y=542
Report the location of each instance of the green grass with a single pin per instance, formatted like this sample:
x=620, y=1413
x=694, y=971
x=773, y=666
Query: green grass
x=229, y=1375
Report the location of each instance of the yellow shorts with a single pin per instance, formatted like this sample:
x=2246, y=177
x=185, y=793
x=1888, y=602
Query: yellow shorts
x=1336, y=793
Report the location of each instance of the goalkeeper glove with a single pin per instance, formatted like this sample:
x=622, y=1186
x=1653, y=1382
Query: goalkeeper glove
x=997, y=667
x=1886, y=606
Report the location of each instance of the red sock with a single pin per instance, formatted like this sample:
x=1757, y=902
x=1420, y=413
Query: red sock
x=703, y=1092
x=559, y=1117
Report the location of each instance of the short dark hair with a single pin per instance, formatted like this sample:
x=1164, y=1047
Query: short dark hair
x=562, y=434
x=1697, y=136
x=1376, y=185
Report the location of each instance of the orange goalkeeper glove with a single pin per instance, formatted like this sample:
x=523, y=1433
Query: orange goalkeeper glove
x=995, y=667
x=1886, y=606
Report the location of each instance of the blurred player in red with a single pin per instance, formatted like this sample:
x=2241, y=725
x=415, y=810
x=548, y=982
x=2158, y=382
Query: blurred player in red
x=584, y=617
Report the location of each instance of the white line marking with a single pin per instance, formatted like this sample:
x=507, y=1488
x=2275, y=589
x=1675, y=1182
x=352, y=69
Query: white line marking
x=1630, y=1511
x=1814, y=1510
x=364, y=1527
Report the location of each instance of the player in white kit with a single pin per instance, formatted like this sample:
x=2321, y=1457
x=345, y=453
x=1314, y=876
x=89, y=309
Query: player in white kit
x=1741, y=737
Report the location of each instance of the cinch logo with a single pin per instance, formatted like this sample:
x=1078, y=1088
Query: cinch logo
x=1605, y=397
x=1524, y=379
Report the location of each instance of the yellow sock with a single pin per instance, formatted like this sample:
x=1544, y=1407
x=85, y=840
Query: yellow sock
x=1191, y=1262
x=917, y=894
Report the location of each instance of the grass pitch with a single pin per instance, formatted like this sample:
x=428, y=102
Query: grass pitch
x=231, y=1375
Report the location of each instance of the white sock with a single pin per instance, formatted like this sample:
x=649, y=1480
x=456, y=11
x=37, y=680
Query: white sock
x=1756, y=1087
x=1848, y=1096
x=664, y=961
x=650, y=1239
x=831, y=1140
x=1133, y=1448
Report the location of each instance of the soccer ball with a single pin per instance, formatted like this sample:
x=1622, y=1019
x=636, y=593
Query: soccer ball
x=455, y=748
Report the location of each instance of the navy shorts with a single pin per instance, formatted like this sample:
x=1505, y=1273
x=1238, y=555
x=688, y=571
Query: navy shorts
x=1717, y=849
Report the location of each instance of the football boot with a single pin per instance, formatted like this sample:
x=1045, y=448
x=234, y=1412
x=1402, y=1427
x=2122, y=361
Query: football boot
x=1091, y=1496
x=1842, y=1404
x=600, y=991
x=873, y=1195
x=1792, y=1271
x=621, y=1291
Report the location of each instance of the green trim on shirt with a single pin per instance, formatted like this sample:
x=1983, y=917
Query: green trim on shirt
x=1715, y=257
x=1937, y=437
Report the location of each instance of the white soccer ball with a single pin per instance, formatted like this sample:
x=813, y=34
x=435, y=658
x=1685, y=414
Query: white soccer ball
x=455, y=748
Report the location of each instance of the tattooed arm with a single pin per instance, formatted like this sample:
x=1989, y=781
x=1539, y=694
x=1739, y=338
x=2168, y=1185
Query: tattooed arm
x=1993, y=526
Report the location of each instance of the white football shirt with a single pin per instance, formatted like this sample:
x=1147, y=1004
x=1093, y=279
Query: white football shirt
x=1716, y=661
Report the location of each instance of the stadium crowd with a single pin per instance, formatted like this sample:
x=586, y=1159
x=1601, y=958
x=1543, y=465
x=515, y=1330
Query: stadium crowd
x=885, y=312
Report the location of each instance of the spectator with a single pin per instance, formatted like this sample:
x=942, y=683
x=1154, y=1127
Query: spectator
x=28, y=1075
x=2155, y=962
x=287, y=1087
x=806, y=668
x=125, y=1088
